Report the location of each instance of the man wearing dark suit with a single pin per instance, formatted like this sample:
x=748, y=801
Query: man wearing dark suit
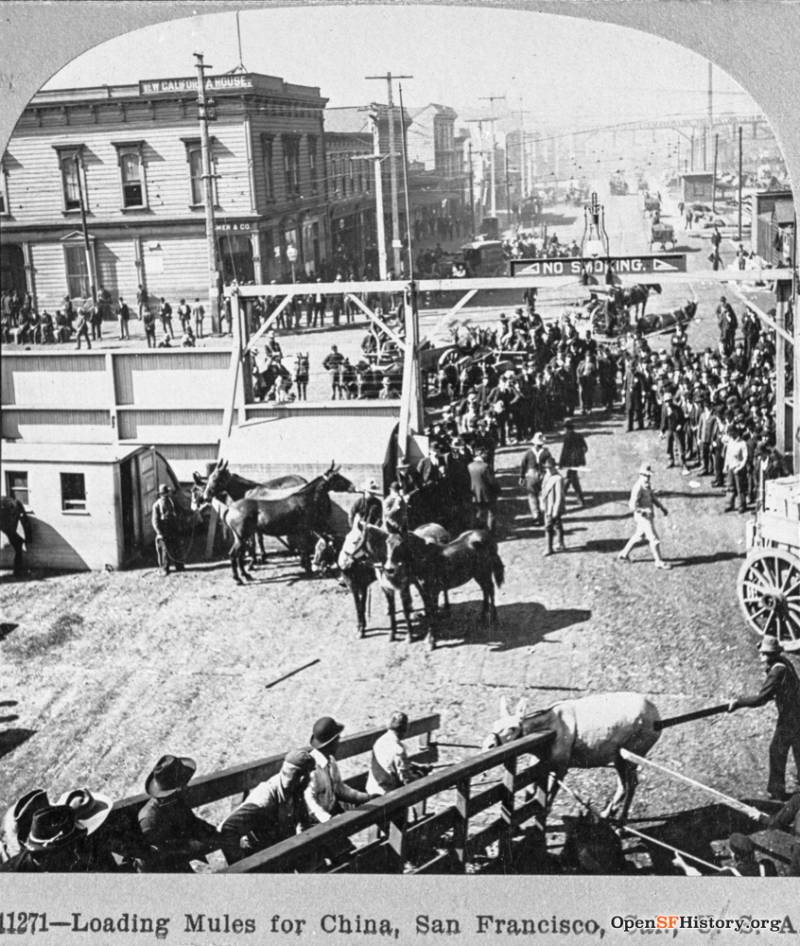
x=633, y=389
x=673, y=424
x=485, y=490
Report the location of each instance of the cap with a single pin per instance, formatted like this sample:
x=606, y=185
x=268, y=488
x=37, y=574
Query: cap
x=297, y=760
x=769, y=645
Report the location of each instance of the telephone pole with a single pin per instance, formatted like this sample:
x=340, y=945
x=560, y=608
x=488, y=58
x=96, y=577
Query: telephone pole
x=376, y=157
x=208, y=191
x=471, y=192
x=397, y=244
x=493, y=200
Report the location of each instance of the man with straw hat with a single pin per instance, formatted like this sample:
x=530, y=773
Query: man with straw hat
x=642, y=503
x=782, y=685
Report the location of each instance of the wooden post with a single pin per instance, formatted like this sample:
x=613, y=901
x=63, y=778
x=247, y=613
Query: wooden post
x=461, y=828
x=507, y=810
x=782, y=430
x=397, y=839
x=542, y=799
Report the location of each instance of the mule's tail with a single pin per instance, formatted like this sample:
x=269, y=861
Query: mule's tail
x=25, y=521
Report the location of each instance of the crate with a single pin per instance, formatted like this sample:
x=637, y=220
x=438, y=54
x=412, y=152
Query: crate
x=782, y=497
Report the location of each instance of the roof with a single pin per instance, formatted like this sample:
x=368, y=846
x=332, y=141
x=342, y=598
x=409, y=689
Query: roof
x=23, y=451
x=313, y=440
x=353, y=121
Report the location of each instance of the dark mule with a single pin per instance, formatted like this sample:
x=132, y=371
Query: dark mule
x=433, y=568
x=12, y=514
x=635, y=298
x=227, y=487
x=361, y=561
x=301, y=514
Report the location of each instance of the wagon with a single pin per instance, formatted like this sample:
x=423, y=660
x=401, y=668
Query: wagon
x=663, y=234
x=651, y=203
x=768, y=586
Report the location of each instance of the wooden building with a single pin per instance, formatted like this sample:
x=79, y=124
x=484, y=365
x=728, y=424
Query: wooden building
x=130, y=154
x=773, y=227
x=89, y=504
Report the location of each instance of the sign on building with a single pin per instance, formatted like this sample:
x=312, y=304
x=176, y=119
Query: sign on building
x=213, y=84
x=576, y=266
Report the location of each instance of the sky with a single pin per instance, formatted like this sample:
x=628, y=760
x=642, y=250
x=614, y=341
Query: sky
x=564, y=72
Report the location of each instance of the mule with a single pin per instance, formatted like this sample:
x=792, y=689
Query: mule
x=434, y=568
x=589, y=733
x=300, y=514
x=361, y=561
x=635, y=298
x=12, y=515
x=227, y=487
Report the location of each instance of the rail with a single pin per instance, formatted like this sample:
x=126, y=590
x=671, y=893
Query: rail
x=437, y=843
x=239, y=779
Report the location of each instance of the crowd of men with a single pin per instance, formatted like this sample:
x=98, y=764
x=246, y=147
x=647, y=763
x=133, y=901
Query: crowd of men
x=73, y=833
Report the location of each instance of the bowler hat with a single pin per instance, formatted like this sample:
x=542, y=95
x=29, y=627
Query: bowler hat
x=54, y=828
x=163, y=489
x=325, y=730
x=91, y=809
x=769, y=645
x=169, y=774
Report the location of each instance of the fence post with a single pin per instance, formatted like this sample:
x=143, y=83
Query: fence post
x=542, y=799
x=461, y=829
x=397, y=839
x=507, y=809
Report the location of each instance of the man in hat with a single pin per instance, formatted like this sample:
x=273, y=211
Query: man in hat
x=174, y=834
x=643, y=503
x=105, y=849
x=165, y=526
x=573, y=456
x=326, y=792
x=783, y=686
x=484, y=491
x=673, y=424
x=273, y=810
x=55, y=844
x=389, y=766
x=395, y=509
x=531, y=474
x=17, y=822
x=553, y=504
x=368, y=508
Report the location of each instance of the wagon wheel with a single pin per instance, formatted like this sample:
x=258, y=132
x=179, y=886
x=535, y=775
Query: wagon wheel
x=769, y=594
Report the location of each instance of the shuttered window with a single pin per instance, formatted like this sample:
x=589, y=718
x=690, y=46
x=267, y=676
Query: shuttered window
x=196, y=175
x=69, y=178
x=17, y=486
x=77, y=271
x=291, y=164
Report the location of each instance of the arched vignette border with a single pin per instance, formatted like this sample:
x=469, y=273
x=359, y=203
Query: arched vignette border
x=754, y=41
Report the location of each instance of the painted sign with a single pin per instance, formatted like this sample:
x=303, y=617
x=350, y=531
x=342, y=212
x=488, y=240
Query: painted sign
x=578, y=266
x=213, y=84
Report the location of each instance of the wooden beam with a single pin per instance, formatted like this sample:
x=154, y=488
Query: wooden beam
x=452, y=313
x=766, y=319
x=731, y=802
x=377, y=320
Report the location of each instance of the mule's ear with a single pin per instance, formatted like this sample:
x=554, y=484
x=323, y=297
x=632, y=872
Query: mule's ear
x=504, y=707
x=197, y=478
x=521, y=707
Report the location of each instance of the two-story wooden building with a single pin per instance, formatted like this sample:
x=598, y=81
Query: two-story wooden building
x=130, y=157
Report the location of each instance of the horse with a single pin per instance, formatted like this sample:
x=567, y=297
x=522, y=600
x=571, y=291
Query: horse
x=302, y=513
x=361, y=562
x=434, y=568
x=589, y=733
x=12, y=514
x=636, y=298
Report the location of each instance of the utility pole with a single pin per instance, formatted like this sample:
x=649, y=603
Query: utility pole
x=493, y=201
x=396, y=242
x=740, y=192
x=471, y=190
x=522, y=112
x=86, y=246
x=508, y=191
x=710, y=99
x=376, y=157
x=714, y=176
x=208, y=190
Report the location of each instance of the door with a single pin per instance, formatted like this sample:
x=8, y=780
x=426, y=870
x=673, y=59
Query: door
x=129, y=543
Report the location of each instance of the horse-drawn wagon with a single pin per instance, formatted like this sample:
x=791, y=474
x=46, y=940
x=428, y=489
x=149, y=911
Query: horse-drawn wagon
x=651, y=203
x=662, y=234
x=768, y=586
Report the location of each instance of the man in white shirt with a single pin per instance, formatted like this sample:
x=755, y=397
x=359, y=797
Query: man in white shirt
x=389, y=767
x=326, y=792
x=735, y=469
x=642, y=503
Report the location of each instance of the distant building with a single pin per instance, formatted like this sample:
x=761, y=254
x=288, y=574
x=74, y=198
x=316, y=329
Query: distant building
x=131, y=154
x=773, y=226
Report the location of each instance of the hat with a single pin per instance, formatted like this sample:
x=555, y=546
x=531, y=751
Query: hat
x=298, y=760
x=645, y=470
x=538, y=438
x=163, y=489
x=325, y=730
x=169, y=774
x=53, y=828
x=741, y=845
x=509, y=374
x=19, y=816
x=569, y=425
x=91, y=809
x=372, y=487
x=769, y=645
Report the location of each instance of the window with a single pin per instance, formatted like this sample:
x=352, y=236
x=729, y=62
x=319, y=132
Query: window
x=3, y=188
x=312, y=162
x=73, y=491
x=291, y=164
x=71, y=182
x=267, y=151
x=78, y=284
x=17, y=486
x=196, y=175
x=130, y=158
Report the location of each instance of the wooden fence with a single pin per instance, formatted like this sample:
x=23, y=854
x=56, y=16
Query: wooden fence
x=441, y=842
